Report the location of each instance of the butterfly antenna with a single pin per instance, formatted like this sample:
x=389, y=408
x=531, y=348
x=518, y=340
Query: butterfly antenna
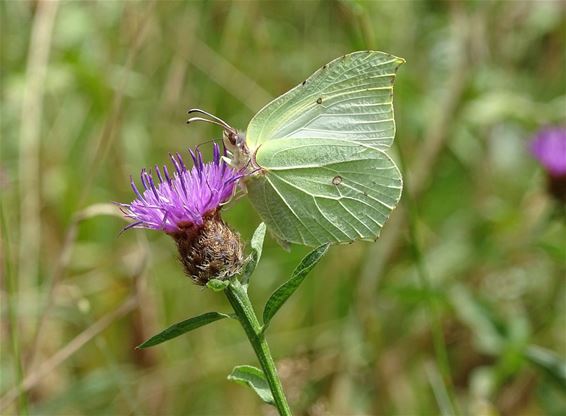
x=206, y=120
x=215, y=120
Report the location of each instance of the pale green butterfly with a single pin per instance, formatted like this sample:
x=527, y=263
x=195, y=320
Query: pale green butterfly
x=318, y=171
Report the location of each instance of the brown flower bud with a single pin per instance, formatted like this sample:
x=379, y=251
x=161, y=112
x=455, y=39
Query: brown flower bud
x=209, y=251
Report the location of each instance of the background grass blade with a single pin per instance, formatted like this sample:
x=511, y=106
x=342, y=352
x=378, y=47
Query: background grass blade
x=280, y=296
x=181, y=327
x=551, y=363
x=252, y=377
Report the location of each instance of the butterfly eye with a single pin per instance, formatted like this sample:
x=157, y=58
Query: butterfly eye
x=240, y=139
x=232, y=138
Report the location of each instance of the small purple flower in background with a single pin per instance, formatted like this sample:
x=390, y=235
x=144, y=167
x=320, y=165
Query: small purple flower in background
x=186, y=206
x=549, y=148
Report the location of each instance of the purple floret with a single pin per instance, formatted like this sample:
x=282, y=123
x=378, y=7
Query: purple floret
x=183, y=199
x=549, y=148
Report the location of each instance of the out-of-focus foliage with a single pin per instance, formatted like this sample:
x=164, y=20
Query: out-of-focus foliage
x=94, y=91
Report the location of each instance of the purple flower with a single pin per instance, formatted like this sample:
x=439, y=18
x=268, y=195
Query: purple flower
x=174, y=203
x=549, y=148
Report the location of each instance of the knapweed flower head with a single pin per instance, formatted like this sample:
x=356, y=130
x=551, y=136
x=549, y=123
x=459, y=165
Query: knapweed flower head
x=549, y=148
x=184, y=198
x=186, y=205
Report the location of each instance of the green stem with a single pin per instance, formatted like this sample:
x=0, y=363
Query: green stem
x=439, y=343
x=238, y=298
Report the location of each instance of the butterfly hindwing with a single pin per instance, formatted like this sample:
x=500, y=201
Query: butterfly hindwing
x=317, y=191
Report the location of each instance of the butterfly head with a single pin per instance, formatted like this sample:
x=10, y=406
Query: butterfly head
x=234, y=141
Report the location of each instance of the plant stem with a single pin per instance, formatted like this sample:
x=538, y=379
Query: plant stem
x=238, y=297
x=439, y=343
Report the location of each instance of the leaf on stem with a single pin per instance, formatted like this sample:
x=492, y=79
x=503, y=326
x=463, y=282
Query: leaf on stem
x=255, y=379
x=181, y=327
x=280, y=296
x=218, y=285
x=256, y=245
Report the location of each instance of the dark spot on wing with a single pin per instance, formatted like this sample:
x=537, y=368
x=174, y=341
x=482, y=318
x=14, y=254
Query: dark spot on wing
x=304, y=82
x=324, y=67
x=319, y=100
x=337, y=180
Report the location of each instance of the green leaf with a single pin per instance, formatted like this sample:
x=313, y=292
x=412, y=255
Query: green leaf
x=552, y=364
x=254, y=378
x=480, y=320
x=181, y=327
x=280, y=296
x=257, y=246
x=217, y=285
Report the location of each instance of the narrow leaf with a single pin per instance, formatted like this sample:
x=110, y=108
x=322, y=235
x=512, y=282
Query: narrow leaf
x=480, y=320
x=280, y=296
x=550, y=362
x=181, y=327
x=257, y=246
x=252, y=377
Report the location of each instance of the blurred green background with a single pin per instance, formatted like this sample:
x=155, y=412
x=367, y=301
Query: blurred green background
x=460, y=307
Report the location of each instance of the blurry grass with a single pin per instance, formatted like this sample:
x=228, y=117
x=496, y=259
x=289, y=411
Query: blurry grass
x=10, y=310
x=445, y=391
x=356, y=338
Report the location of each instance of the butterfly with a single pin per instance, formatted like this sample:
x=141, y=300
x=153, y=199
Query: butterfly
x=315, y=156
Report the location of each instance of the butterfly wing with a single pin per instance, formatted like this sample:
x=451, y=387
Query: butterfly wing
x=324, y=177
x=319, y=191
x=348, y=99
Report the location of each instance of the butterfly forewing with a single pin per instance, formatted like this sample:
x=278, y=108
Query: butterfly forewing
x=348, y=99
